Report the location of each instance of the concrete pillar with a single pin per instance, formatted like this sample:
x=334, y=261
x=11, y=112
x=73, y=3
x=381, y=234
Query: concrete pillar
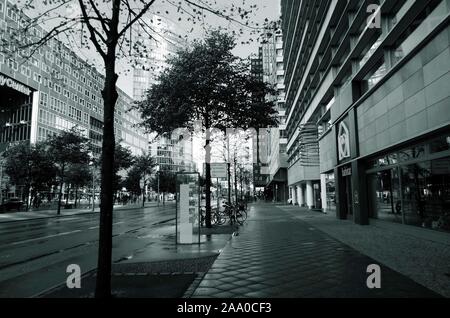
x=300, y=199
x=293, y=194
x=309, y=194
x=323, y=192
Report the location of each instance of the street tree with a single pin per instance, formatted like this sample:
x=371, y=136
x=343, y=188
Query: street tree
x=67, y=148
x=165, y=182
x=132, y=181
x=78, y=176
x=207, y=84
x=30, y=167
x=145, y=165
x=108, y=28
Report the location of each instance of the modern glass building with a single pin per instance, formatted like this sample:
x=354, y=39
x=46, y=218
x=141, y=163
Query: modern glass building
x=55, y=90
x=171, y=152
x=367, y=85
x=273, y=70
x=260, y=141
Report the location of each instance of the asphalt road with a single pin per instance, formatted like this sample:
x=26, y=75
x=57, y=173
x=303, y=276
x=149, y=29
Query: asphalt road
x=34, y=254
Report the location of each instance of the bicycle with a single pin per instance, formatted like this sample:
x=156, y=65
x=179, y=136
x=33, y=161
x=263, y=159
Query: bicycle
x=236, y=214
x=217, y=218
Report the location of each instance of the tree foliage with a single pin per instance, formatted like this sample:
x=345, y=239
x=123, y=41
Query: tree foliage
x=208, y=83
x=30, y=166
x=67, y=148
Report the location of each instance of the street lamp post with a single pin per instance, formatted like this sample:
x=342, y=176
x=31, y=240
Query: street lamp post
x=91, y=163
x=157, y=172
x=93, y=189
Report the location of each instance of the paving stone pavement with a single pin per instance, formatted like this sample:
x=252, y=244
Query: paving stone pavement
x=278, y=256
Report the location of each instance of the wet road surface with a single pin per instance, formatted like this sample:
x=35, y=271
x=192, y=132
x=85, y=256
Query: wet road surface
x=34, y=254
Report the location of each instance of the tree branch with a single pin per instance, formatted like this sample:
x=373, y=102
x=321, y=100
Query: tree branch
x=100, y=17
x=91, y=30
x=137, y=17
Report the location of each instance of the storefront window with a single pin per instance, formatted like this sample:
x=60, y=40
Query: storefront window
x=426, y=194
x=412, y=153
x=416, y=194
x=440, y=144
x=330, y=191
x=412, y=185
x=384, y=198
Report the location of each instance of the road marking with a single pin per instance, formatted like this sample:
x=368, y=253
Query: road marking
x=45, y=237
x=93, y=227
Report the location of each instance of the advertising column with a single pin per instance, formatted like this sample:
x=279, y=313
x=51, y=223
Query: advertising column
x=188, y=208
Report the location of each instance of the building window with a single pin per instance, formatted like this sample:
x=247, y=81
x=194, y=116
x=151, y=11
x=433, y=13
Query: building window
x=13, y=64
x=373, y=76
x=44, y=99
x=418, y=29
x=37, y=77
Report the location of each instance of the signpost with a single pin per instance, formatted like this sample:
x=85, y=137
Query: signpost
x=218, y=170
x=187, y=208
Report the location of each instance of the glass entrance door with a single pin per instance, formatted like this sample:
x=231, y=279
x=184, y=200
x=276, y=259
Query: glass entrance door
x=385, y=195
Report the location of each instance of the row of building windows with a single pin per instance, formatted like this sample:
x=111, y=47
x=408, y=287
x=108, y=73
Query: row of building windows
x=347, y=71
x=68, y=86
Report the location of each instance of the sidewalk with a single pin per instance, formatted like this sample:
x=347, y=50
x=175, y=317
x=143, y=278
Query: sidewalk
x=31, y=215
x=278, y=255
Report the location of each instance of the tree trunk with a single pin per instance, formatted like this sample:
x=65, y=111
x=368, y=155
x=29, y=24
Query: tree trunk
x=208, y=178
x=236, y=193
x=228, y=167
x=76, y=196
x=164, y=198
x=68, y=194
x=60, y=191
x=27, y=194
x=143, y=194
x=110, y=95
x=242, y=185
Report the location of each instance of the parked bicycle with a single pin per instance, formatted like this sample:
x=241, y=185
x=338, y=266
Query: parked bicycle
x=236, y=213
x=217, y=217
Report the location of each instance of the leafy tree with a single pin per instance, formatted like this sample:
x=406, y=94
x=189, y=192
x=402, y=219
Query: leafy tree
x=144, y=165
x=206, y=83
x=68, y=148
x=123, y=159
x=165, y=181
x=78, y=175
x=132, y=181
x=31, y=167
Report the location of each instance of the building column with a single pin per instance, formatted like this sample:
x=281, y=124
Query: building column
x=309, y=194
x=323, y=192
x=359, y=186
x=292, y=195
x=300, y=199
x=34, y=117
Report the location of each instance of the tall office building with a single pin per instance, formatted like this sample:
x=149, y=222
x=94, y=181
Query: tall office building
x=55, y=90
x=171, y=152
x=367, y=93
x=273, y=70
x=259, y=142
